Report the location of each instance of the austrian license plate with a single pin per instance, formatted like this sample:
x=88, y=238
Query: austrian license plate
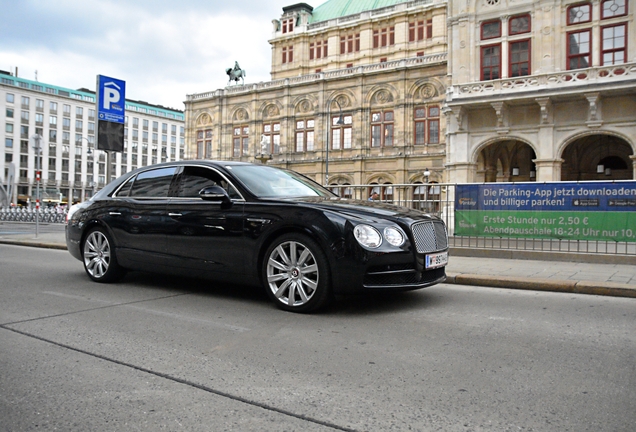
x=436, y=260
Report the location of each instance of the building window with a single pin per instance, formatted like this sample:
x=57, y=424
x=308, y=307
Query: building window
x=318, y=50
x=519, y=24
x=490, y=30
x=614, y=41
x=382, y=129
x=288, y=25
x=384, y=37
x=426, y=125
x=341, y=135
x=241, y=140
x=350, y=43
x=288, y=54
x=8, y=142
x=67, y=110
x=10, y=97
x=204, y=144
x=491, y=62
x=25, y=102
x=418, y=30
x=271, y=134
x=304, y=135
x=580, y=13
x=579, y=44
x=613, y=8
x=519, y=58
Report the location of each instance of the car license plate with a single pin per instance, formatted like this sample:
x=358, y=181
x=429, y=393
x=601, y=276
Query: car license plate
x=436, y=260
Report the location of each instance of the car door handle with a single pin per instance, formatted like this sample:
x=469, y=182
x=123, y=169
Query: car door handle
x=175, y=214
x=114, y=213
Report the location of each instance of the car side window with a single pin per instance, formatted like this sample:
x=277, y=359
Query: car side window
x=193, y=179
x=153, y=183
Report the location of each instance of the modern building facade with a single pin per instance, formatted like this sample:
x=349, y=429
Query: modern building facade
x=71, y=167
x=541, y=90
x=488, y=90
x=356, y=95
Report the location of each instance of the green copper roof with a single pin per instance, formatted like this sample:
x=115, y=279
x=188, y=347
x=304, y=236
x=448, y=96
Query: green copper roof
x=338, y=8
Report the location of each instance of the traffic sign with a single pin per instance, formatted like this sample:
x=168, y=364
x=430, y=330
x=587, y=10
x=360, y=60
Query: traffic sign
x=111, y=99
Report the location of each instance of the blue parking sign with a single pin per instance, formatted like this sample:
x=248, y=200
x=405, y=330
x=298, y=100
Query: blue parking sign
x=111, y=99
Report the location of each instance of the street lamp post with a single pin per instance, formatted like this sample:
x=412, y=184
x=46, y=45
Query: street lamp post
x=89, y=153
x=37, y=138
x=426, y=174
x=339, y=122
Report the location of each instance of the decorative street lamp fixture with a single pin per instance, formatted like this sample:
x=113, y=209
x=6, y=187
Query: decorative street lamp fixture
x=265, y=154
x=339, y=123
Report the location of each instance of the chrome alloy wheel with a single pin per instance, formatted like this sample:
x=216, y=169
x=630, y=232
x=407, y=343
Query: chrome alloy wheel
x=96, y=254
x=292, y=273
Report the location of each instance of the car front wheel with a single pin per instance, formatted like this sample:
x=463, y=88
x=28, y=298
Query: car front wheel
x=296, y=274
x=100, y=261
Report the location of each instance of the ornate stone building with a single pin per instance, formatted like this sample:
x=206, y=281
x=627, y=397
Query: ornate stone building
x=541, y=90
x=482, y=90
x=357, y=93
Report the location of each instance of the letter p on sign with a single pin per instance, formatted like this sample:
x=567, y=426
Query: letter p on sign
x=111, y=95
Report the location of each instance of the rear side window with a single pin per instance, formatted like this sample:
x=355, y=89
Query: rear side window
x=152, y=184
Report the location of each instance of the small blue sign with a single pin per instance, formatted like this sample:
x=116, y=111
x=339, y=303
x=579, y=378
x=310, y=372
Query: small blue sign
x=111, y=99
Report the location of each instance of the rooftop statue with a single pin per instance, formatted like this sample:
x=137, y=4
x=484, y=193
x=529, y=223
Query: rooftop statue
x=236, y=73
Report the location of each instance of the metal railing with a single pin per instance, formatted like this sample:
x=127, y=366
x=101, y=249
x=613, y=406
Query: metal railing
x=28, y=214
x=439, y=200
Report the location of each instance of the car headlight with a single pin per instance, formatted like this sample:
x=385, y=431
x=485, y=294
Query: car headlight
x=71, y=211
x=394, y=236
x=367, y=236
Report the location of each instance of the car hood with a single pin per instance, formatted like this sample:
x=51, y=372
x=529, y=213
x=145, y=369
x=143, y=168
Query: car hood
x=367, y=210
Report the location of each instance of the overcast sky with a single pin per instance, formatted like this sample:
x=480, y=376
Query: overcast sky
x=163, y=49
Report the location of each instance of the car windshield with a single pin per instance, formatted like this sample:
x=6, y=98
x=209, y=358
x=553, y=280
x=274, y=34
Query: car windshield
x=269, y=182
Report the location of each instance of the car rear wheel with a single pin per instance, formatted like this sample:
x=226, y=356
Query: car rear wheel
x=296, y=274
x=100, y=261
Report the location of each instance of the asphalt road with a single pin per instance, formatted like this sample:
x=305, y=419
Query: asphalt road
x=155, y=353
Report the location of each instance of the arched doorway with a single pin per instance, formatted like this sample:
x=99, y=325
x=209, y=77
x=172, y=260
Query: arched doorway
x=597, y=157
x=506, y=161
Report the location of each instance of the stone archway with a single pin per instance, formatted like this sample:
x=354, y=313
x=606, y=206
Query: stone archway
x=597, y=157
x=506, y=161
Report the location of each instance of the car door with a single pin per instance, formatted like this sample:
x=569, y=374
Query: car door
x=205, y=236
x=138, y=217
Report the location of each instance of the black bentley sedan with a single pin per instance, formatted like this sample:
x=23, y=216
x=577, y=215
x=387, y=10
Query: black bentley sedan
x=254, y=224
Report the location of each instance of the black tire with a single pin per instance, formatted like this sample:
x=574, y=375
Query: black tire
x=100, y=261
x=296, y=274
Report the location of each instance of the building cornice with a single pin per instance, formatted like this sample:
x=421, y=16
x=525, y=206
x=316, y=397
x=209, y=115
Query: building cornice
x=415, y=62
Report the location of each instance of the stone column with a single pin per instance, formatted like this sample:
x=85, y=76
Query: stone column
x=548, y=170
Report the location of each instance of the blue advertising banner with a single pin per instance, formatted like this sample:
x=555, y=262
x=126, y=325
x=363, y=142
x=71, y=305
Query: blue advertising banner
x=563, y=210
x=111, y=99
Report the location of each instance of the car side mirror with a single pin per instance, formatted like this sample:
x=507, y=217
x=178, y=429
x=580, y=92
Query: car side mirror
x=215, y=194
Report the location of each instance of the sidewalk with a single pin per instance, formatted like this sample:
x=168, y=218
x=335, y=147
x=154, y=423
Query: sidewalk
x=544, y=274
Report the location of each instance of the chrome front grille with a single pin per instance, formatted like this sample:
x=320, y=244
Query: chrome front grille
x=430, y=236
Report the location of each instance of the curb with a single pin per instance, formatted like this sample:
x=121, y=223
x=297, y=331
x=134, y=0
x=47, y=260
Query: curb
x=34, y=243
x=537, y=284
